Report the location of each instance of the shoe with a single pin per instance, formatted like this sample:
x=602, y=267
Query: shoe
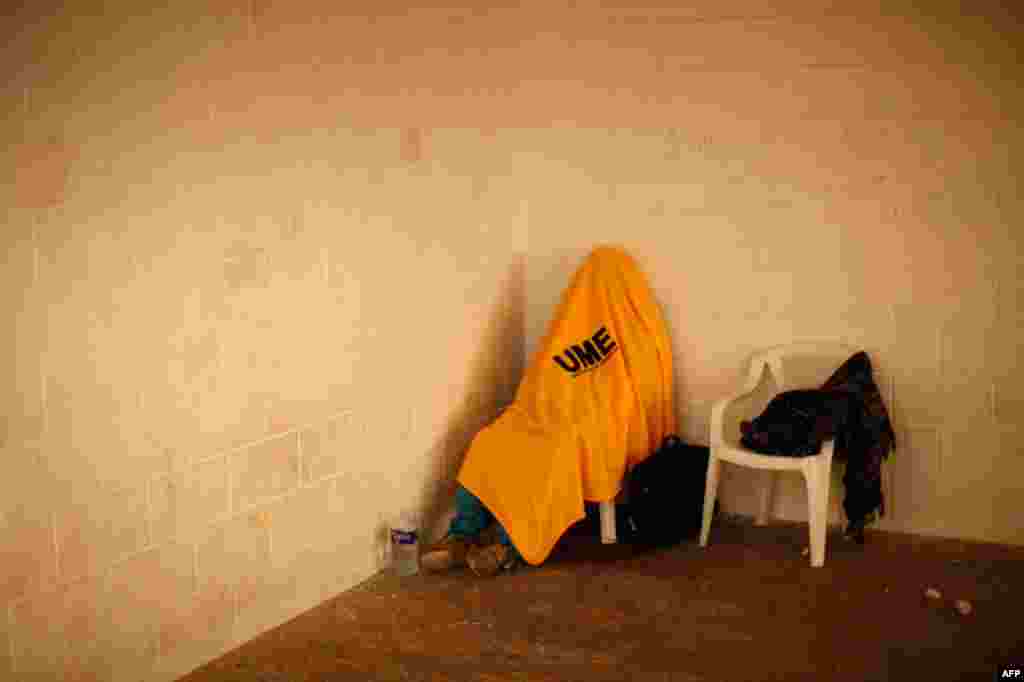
x=855, y=532
x=444, y=555
x=488, y=536
x=488, y=560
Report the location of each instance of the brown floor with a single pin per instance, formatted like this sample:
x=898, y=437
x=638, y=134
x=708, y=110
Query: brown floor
x=747, y=608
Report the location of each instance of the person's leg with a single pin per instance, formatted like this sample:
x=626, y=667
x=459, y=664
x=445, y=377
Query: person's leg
x=504, y=539
x=495, y=553
x=471, y=519
x=471, y=516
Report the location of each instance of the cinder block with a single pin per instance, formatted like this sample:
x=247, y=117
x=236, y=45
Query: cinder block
x=308, y=577
x=285, y=590
x=1007, y=398
x=22, y=417
x=969, y=362
x=150, y=599
x=916, y=500
x=300, y=521
x=265, y=470
x=165, y=507
x=214, y=614
x=6, y=664
x=83, y=421
x=84, y=613
x=208, y=492
x=55, y=632
x=1005, y=487
x=915, y=359
x=246, y=265
x=251, y=597
x=301, y=400
x=23, y=312
x=324, y=447
x=206, y=625
x=279, y=423
x=235, y=556
x=182, y=503
x=42, y=172
x=301, y=571
x=26, y=551
x=232, y=549
x=96, y=525
x=236, y=417
x=344, y=563
x=200, y=357
x=414, y=145
x=976, y=477
x=37, y=635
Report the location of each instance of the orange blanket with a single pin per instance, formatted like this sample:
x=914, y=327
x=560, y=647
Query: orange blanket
x=596, y=399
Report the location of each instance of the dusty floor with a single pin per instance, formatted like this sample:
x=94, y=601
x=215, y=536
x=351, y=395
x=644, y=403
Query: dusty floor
x=747, y=608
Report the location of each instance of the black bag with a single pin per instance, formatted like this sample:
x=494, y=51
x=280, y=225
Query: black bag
x=666, y=495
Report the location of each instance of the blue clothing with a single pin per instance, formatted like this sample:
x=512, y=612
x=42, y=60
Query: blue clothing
x=472, y=518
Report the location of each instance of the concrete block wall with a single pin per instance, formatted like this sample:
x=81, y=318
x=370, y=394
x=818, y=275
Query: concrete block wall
x=822, y=173
x=208, y=423
x=267, y=267
x=233, y=350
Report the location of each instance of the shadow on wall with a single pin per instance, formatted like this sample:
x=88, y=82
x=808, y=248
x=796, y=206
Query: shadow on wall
x=551, y=271
x=493, y=376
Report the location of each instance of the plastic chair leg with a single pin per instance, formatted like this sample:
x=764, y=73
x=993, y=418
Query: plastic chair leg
x=817, y=479
x=767, y=494
x=710, y=495
x=608, y=534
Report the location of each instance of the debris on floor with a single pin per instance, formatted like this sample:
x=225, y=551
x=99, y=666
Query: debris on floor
x=932, y=593
x=963, y=607
x=599, y=612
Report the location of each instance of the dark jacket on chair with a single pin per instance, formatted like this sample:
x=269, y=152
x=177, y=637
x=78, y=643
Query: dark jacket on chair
x=849, y=408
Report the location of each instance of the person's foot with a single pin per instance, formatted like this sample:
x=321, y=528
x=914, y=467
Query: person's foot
x=444, y=555
x=490, y=535
x=487, y=560
x=855, y=531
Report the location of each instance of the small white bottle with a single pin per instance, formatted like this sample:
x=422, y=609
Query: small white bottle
x=405, y=548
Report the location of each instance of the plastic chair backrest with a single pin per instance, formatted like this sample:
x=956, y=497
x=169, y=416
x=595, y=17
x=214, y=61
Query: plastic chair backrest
x=803, y=365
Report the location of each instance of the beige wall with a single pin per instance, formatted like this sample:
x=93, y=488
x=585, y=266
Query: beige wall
x=862, y=188
x=266, y=269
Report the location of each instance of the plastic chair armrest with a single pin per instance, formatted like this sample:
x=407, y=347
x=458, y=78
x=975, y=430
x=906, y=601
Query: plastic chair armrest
x=721, y=407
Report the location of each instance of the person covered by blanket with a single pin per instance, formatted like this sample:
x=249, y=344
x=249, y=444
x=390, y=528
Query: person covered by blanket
x=596, y=399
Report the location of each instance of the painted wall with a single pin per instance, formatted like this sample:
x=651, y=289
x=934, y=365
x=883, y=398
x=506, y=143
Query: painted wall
x=840, y=174
x=232, y=352
x=267, y=268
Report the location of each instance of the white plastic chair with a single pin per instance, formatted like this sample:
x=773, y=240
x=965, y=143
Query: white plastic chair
x=800, y=365
x=608, y=534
